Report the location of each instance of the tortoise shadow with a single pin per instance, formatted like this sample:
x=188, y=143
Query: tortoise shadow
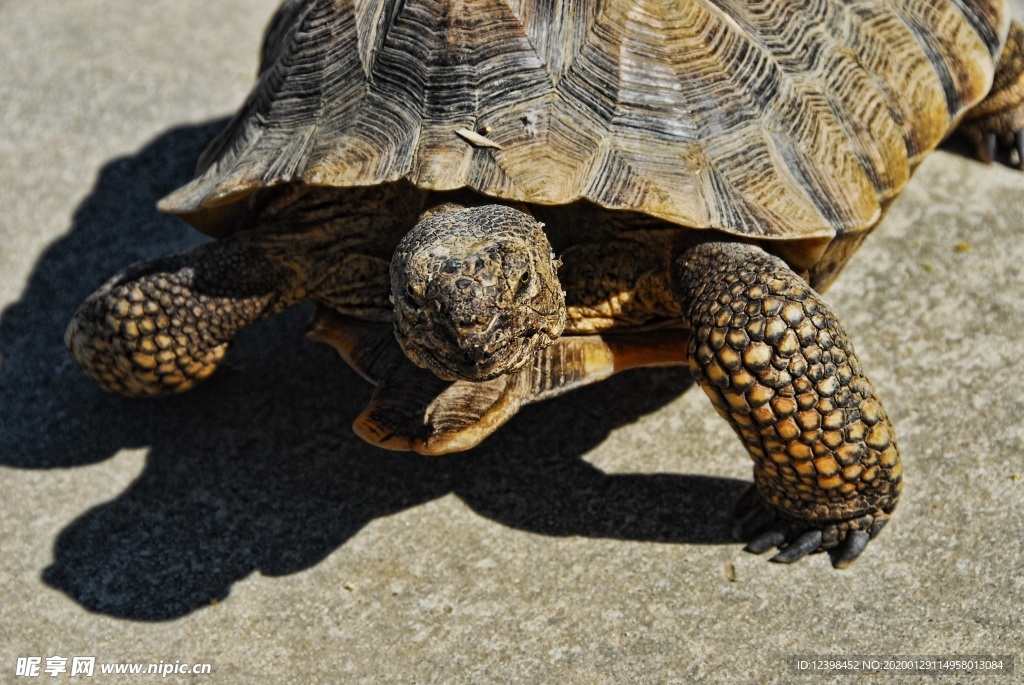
x=258, y=470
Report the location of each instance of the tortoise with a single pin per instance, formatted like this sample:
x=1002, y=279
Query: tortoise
x=495, y=203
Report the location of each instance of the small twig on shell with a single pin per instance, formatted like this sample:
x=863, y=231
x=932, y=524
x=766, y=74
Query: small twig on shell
x=476, y=139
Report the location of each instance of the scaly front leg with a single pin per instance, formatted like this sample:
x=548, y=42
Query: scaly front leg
x=778, y=366
x=161, y=326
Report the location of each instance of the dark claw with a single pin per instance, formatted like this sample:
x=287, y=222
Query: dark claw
x=804, y=545
x=773, y=537
x=854, y=544
x=878, y=525
x=989, y=148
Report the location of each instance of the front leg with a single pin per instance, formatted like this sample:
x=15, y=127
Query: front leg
x=162, y=326
x=779, y=367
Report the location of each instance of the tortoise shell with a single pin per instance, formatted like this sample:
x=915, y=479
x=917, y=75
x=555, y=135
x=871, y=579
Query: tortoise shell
x=794, y=121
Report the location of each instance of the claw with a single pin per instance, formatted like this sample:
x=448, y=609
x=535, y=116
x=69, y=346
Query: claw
x=1018, y=139
x=989, y=148
x=852, y=547
x=804, y=545
x=773, y=537
x=878, y=525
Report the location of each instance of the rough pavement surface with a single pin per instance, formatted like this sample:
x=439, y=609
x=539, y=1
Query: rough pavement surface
x=246, y=527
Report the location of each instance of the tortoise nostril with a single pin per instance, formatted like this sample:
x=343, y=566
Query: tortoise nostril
x=412, y=300
x=522, y=287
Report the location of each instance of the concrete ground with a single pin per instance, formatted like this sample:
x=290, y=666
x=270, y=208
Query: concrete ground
x=244, y=526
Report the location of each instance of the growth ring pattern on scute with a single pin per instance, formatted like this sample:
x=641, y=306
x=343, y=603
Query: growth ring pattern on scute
x=761, y=117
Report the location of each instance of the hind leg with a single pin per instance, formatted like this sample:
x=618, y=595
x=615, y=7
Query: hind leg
x=996, y=124
x=778, y=366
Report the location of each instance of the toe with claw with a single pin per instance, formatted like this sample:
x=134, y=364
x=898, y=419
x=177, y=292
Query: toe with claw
x=996, y=124
x=763, y=529
x=996, y=146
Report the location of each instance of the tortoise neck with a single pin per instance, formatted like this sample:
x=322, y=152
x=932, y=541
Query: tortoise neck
x=464, y=198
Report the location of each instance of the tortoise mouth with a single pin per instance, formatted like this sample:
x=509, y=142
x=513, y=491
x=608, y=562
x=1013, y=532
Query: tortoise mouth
x=451, y=361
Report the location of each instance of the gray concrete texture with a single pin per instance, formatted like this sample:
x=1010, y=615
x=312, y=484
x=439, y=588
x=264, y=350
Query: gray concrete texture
x=245, y=526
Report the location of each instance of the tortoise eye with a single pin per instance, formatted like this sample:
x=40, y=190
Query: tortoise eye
x=525, y=278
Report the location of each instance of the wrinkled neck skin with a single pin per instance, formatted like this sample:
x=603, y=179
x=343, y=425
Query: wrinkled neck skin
x=475, y=291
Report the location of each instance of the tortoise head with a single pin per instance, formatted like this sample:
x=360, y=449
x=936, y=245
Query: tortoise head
x=476, y=292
